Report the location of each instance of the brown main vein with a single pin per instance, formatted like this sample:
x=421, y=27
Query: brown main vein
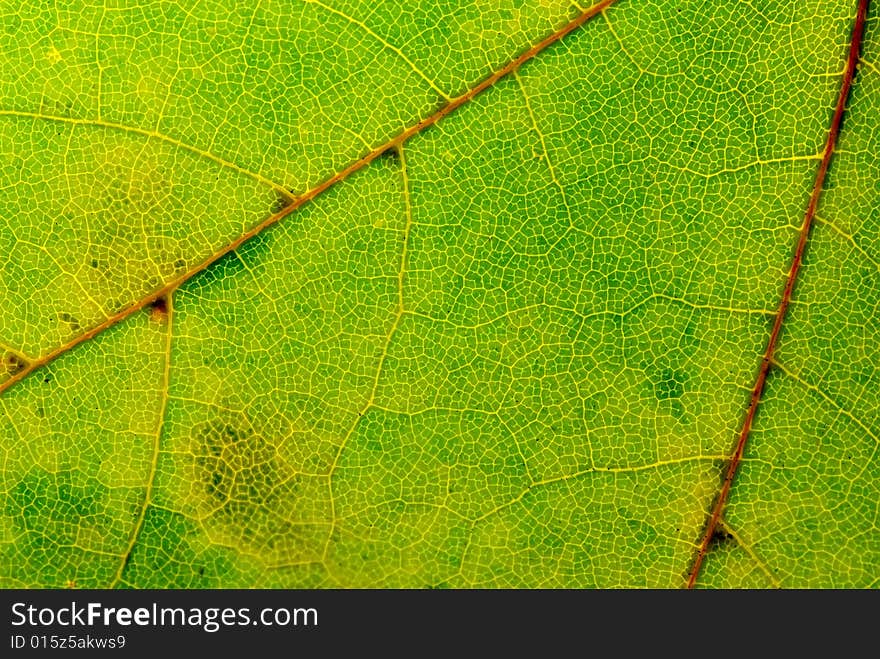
x=305, y=198
x=796, y=261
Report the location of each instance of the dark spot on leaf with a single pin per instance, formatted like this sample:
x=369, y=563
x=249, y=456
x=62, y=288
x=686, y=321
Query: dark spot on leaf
x=245, y=490
x=158, y=309
x=723, y=467
x=13, y=363
x=160, y=304
x=390, y=155
x=224, y=453
x=281, y=202
x=180, y=264
x=71, y=320
x=721, y=536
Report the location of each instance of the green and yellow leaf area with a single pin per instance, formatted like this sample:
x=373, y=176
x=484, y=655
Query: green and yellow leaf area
x=362, y=293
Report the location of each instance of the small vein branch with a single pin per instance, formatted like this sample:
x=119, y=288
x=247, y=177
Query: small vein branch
x=833, y=132
x=302, y=200
x=165, y=309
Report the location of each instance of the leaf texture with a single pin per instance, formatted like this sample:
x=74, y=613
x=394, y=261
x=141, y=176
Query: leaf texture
x=291, y=298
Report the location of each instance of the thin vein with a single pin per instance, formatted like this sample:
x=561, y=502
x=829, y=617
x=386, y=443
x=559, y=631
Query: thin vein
x=5, y=347
x=305, y=198
x=594, y=314
x=599, y=470
x=749, y=165
x=393, y=501
x=384, y=43
x=851, y=239
x=796, y=261
x=154, y=134
x=86, y=294
x=398, y=315
x=753, y=555
x=546, y=154
x=154, y=458
x=623, y=48
x=99, y=83
x=837, y=406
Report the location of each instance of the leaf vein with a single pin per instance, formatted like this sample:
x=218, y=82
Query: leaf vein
x=152, y=134
x=385, y=44
x=154, y=458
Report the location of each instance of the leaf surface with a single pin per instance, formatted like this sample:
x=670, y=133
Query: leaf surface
x=366, y=295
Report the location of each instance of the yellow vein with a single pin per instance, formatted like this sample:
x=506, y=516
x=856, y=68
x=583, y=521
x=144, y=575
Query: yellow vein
x=546, y=153
x=599, y=471
x=757, y=163
x=754, y=556
x=623, y=48
x=154, y=134
x=549, y=164
x=384, y=43
x=398, y=315
x=849, y=238
x=407, y=200
x=849, y=415
x=154, y=459
x=61, y=268
x=358, y=514
x=595, y=314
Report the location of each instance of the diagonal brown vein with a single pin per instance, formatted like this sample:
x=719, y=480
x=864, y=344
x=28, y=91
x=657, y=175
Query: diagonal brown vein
x=302, y=200
x=796, y=261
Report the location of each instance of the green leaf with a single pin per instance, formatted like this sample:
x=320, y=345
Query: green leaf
x=375, y=294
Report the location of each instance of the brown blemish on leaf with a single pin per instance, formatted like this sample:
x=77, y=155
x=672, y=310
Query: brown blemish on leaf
x=159, y=310
x=281, y=202
x=71, y=321
x=391, y=154
x=13, y=364
x=244, y=492
x=721, y=537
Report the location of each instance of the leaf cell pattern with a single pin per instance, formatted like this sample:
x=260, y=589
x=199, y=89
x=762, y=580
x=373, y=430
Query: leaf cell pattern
x=462, y=294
